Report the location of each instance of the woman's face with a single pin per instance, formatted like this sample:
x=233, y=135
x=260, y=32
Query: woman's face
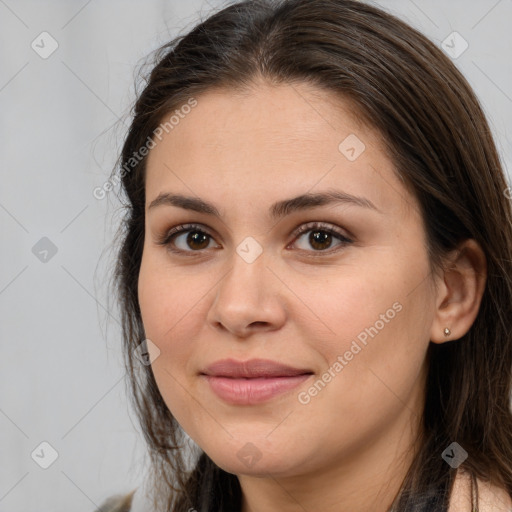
x=348, y=302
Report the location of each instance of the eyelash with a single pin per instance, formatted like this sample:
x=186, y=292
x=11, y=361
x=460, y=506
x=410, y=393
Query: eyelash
x=167, y=238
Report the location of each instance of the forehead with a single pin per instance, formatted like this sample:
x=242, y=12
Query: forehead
x=273, y=141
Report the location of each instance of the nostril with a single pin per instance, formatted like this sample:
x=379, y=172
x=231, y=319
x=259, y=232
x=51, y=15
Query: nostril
x=257, y=324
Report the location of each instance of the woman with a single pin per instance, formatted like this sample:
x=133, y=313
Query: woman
x=315, y=270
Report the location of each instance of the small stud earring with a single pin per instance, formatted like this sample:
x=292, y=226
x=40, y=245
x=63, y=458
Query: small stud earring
x=447, y=331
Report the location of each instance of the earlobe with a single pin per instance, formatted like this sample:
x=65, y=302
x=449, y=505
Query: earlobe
x=460, y=296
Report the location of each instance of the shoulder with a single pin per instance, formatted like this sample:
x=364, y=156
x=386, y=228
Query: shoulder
x=117, y=503
x=490, y=497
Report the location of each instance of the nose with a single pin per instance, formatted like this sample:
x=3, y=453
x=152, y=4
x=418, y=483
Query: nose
x=249, y=298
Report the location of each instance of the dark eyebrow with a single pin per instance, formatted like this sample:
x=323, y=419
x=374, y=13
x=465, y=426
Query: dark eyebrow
x=277, y=210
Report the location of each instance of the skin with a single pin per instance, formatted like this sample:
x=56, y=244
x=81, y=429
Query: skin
x=349, y=447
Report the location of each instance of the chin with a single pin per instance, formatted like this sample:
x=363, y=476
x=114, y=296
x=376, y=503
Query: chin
x=248, y=460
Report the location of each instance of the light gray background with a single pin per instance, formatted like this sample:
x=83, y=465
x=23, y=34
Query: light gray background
x=62, y=121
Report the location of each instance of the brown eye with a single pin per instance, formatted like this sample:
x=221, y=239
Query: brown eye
x=321, y=237
x=186, y=239
x=197, y=240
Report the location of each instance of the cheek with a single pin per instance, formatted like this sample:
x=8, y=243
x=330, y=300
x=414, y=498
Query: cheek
x=373, y=361
x=161, y=308
x=378, y=321
x=170, y=306
x=345, y=304
x=167, y=298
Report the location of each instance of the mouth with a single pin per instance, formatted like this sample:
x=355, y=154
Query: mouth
x=254, y=381
x=253, y=368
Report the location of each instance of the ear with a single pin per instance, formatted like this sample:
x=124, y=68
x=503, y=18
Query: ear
x=459, y=292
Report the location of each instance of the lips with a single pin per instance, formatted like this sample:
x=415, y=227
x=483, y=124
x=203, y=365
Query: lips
x=252, y=369
x=252, y=382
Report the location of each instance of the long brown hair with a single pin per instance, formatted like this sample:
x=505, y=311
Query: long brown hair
x=441, y=144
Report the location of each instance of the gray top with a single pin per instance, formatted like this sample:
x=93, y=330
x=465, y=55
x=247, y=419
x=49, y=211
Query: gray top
x=134, y=501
